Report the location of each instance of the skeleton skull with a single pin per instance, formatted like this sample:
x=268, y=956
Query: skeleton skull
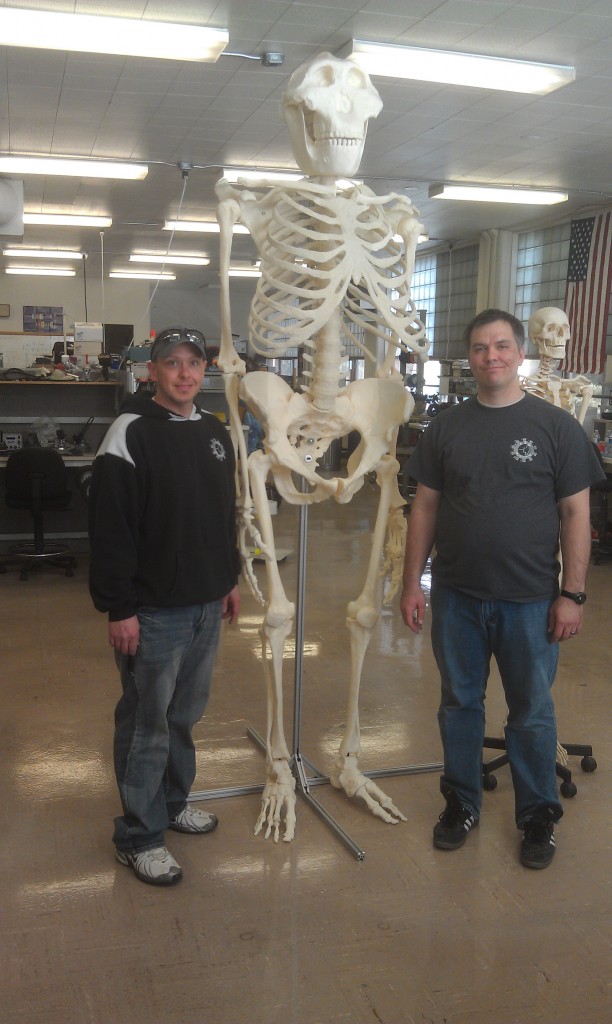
x=549, y=329
x=327, y=106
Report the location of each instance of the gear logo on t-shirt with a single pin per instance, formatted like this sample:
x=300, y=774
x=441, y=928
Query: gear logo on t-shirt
x=523, y=450
x=217, y=449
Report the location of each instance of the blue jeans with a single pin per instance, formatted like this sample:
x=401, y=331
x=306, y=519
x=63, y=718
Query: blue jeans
x=466, y=633
x=166, y=686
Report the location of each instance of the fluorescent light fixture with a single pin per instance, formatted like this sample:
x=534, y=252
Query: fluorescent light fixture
x=484, y=194
x=48, y=30
x=260, y=174
x=40, y=271
x=144, y=276
x=69, y=220
x=243, y=272
x=49, y=254
x=72, y=167
x=185, y=261
x=421, y=238
x=203, y=226
x=452, y=68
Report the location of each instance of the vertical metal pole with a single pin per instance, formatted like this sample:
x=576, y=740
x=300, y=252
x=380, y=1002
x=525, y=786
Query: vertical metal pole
x=299, y=624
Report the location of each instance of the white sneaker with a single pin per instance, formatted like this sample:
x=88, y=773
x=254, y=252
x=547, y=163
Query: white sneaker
x=156, y=867
x=191, y=819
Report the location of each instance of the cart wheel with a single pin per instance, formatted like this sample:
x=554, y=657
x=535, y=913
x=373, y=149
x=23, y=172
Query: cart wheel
x=588, y=764
x=489, y=782
x=568, y=789
x=24, y=575
x=69, y=572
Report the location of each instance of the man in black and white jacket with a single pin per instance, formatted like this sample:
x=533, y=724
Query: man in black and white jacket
x=164, y=567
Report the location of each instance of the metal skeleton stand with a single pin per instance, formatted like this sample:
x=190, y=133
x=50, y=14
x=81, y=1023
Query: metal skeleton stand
x=300, y=765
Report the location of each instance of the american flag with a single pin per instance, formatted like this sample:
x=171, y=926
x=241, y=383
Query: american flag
x=587, y=293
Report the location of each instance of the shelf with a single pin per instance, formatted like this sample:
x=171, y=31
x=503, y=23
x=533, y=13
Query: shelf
x=62, y=418
x=65, y=383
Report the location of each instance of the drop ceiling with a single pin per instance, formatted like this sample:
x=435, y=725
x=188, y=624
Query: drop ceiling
x=167, y=113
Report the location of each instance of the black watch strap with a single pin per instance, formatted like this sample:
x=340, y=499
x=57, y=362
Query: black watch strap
x=579, y=596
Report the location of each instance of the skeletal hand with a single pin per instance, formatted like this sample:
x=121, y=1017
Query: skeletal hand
x=278, y=795
x=394, y=552
x=346, y=775
x=249, y=538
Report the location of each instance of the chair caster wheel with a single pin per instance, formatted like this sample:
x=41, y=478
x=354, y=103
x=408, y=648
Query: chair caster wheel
x=568, y=789
x=489, y=782
x=588, y=764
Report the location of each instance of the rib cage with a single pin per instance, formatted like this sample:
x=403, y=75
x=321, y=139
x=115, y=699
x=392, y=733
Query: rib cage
x=322, y=252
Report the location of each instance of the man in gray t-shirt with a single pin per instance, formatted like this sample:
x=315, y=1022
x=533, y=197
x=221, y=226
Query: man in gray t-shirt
x=501, y=478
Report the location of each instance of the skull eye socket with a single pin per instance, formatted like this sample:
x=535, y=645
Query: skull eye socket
x=356, y=79
x=325, y=76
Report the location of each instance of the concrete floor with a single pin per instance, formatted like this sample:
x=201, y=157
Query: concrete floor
x=301, y=933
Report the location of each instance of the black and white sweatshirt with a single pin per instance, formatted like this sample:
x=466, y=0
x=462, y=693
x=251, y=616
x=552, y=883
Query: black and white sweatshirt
x=162, y=511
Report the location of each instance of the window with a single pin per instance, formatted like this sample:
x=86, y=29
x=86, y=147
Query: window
x=541, y=269
x=423, y=290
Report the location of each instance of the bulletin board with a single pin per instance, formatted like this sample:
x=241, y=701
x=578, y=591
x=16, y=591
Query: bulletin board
x=43, y=319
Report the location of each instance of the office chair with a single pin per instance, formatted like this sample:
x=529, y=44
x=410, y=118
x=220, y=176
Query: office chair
x=36, y=480
x=600, y=549
x=568, y=787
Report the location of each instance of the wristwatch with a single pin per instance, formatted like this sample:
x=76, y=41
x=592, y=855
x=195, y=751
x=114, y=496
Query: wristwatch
x=579, y=597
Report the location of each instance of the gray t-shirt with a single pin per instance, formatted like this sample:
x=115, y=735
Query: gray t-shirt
x=501, y=472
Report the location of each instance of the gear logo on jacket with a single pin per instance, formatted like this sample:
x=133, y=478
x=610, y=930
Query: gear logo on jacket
x=217, y=449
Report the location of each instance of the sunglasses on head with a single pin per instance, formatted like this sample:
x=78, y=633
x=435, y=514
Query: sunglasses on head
x=182, y=334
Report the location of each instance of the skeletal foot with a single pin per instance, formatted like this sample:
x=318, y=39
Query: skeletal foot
x=345, y=775
x=278, y=795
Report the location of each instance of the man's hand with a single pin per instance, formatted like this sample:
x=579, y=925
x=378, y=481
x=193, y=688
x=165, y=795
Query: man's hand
x=564, y=619
x=231, y=605
x=124, y=635
x=419, y=542
x=565, y=616
x=412, y=607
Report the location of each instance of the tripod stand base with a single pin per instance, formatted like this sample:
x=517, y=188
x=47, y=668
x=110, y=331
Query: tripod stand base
x=305, y=781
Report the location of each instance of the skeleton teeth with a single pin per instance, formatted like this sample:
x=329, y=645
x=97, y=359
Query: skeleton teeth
x=326, y=140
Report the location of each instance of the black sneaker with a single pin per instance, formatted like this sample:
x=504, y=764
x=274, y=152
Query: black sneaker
x=538, y=844
x=454, y=824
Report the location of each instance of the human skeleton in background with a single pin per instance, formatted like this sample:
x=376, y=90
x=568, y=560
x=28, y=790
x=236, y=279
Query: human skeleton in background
x=549, y=329
x=328, y=256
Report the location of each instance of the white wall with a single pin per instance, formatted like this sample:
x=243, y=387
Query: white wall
x=124, y=302
x=200, y=308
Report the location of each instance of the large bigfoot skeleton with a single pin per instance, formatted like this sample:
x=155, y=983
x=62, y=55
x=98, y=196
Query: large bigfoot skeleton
x=549, y=329
x=328, y=257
